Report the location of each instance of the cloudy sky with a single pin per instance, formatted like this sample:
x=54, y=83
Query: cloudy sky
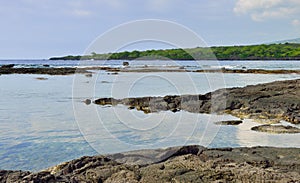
x=45, y=28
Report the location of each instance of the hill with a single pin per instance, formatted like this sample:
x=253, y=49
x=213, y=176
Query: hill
x=297, y=40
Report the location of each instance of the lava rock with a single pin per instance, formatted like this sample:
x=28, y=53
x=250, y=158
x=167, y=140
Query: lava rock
x=267, y=103
x=174, y=164
x=8, y=66
x=229, y=122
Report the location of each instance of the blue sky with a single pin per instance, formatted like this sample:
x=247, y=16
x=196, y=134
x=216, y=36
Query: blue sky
x=45, y=28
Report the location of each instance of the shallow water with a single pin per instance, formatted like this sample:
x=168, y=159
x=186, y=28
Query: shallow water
x=192, y=65
x=39, y=127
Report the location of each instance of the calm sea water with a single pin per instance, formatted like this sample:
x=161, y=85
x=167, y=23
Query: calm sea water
x=188, y=64
x=46, y=122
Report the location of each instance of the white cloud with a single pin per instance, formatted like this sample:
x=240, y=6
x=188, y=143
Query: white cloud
x=296, y=22
x=261, y=10
x=81, y=13
x=244, y=6
x=278, y=13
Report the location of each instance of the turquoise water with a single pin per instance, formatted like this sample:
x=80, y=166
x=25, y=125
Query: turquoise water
x=46, y=122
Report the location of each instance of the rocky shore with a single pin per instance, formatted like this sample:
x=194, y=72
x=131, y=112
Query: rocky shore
x=46, y=70
x=266, y=103
x=148, y=69
x=11, y=69
x=222, y=70
x=175, y=164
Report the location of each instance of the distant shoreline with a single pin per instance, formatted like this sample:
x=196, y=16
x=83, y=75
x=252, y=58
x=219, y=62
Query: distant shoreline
x=87, y=70
x=288, y=51
x=258, y=59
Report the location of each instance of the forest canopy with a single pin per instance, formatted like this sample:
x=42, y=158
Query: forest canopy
x=287, y=51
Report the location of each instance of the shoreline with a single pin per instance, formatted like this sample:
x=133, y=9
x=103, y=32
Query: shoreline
x=167, y=59
x=146, y=69
x=47, y=71
x=242, y=52
x=186, y=163
x=191, y=163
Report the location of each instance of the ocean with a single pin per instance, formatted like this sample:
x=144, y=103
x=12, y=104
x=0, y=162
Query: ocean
x=251, y=64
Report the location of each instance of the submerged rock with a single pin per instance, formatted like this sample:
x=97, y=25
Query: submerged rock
x=125, y=63
x=88, y=101
x=41, y=78
x=229, y=122
x=89, y=75
x=113, y=73
x=276, y=129
x=174, y=164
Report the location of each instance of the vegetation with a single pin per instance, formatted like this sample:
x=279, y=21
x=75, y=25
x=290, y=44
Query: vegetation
x=287, y=51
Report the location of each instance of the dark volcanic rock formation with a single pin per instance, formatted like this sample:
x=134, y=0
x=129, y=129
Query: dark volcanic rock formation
x=269, y=102
x=230, y=122
x=44, y=70
x=7, y=66
x=222, y=70
x=252, y=71
x=177, y=164
x=12, y=176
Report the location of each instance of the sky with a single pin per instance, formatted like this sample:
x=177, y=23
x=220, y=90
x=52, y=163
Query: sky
x=39, y=29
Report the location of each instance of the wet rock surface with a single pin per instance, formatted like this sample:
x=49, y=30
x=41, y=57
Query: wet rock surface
x=222, y=70
x=252, y=71
x=175, y=164
x=230, y=122
x=44, y=70
x=267, y=103
x=41, y=78
x=276, y=129
x=7, y=66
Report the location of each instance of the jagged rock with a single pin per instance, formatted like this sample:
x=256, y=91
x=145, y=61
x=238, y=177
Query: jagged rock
x=269, y=102
x=12, y=176
x=174, y=164
x=106, y=101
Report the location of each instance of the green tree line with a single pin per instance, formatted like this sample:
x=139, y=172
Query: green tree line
x=287, y=51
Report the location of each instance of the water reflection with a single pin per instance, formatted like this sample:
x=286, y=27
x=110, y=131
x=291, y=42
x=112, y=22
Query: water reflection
x=38, y=127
